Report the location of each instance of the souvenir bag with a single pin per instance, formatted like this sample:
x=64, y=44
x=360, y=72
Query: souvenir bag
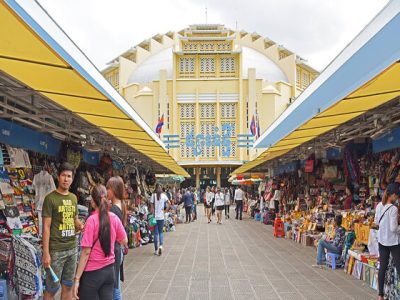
x=309, y=166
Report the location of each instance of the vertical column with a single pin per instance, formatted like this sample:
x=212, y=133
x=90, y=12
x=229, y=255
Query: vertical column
x=175, y=129
x=252, y=100
x=218, y=125
x=198, y=169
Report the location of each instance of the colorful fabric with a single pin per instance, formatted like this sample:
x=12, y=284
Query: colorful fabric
x=339, y=238
x=27, y=271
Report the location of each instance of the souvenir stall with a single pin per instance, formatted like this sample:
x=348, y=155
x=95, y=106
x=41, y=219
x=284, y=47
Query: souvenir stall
x=349, y=182
x=26, y=177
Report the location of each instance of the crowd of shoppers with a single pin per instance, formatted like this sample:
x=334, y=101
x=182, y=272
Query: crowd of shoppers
x=104, y=239
x=101, y=255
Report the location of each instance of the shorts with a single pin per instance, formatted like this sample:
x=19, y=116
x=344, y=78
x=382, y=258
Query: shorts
x=220, y=207
x=63, y=264
x=207, y=205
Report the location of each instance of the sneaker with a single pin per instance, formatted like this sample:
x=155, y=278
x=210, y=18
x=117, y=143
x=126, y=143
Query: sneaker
x=160, y=250
x=156, y=252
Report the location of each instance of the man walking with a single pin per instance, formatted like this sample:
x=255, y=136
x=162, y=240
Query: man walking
x=239, y=197
x=60, y=223
x=188, y=202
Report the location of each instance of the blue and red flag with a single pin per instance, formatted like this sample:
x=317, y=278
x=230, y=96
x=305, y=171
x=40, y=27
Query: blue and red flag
x=253, y=126
x=160, y=124
x=258, y=127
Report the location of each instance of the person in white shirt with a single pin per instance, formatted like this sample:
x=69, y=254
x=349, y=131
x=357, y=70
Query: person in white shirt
x=227, y=202
x=219, y=204
x=386, y=217
x=207, y=203
x=239, y=197
x=213, y=200
x=158, y=203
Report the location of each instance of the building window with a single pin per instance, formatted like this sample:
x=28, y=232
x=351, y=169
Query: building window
x=206, y=47
x=247, y=114
x=298, y=74
x=190, y=47
x=187, y=111
x=227, y=66
x=207, y=66
x=186, y=64
x=223, y=47
x=207, y=128
x=207, y=110
x=306, y=79
x=228, y=110
x=167, y=115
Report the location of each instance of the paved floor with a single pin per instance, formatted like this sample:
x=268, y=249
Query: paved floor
x=235, y=260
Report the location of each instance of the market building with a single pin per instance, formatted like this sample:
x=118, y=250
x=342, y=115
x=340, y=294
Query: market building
x=214, y=89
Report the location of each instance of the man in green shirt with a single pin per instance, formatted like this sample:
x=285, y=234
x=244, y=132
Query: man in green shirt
x=60, y=223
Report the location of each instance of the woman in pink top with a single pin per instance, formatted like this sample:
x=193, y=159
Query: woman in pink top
x=94, y=278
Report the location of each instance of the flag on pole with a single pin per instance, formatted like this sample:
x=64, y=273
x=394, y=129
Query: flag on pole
x=253, y=126
x=160, y=124
x=258, y=126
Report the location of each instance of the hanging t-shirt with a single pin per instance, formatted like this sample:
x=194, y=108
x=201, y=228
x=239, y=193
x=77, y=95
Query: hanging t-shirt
x=159, y=205
x=62, y=209
x=43, y=184
x=97, y=258
x=5, y=183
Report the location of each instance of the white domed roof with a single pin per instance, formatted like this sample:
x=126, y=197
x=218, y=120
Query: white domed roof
x=149, y=70
x=265, y=68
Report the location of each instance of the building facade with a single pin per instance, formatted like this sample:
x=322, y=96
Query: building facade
x=214, y=89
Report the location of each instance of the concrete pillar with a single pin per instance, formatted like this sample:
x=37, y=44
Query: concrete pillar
x=198, y=177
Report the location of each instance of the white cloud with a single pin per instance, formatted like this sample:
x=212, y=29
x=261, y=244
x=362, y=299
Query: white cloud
x=316, y=30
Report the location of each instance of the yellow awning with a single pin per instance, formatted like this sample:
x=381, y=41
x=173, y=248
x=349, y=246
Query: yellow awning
x=385, y=87
x=31, y=55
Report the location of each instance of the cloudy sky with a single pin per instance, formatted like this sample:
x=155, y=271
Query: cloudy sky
x=317, y=30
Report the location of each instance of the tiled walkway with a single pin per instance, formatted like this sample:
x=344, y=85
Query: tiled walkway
x=235, y=260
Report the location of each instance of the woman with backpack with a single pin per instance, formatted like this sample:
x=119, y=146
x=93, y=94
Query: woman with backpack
x=386, y=217
x=94, y=277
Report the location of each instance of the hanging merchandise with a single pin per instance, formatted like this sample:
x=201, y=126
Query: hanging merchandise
x=71, y=153
x=27, y=269
x=330, y=172
x=309, y=166
x=106, y=164
x=43, y=184
x=5, y=183
x=4, y=155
